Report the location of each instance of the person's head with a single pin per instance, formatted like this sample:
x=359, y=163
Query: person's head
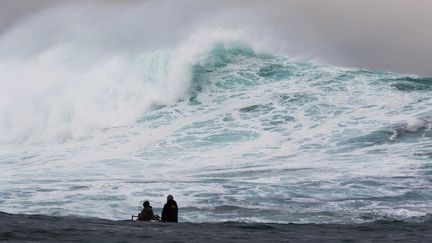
x=146, y=204
x=170, y=198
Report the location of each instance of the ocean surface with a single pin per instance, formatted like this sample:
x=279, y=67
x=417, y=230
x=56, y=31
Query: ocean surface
x=235, y=130
x=40, y=228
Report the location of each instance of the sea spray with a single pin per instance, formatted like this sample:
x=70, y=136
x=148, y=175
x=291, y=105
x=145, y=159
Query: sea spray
x=63, y=80
x=95, y=118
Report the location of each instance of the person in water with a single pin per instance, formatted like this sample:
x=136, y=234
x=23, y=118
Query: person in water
x=147, y=213
x=170, y=210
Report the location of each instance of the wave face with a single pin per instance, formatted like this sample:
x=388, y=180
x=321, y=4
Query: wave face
x=95, y=119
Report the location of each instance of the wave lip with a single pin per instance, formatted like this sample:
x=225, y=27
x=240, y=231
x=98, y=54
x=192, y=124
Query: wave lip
x=54, y=95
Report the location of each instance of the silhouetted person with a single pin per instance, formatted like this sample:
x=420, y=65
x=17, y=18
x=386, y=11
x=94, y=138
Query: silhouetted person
x=147, y=212
x=170, y=210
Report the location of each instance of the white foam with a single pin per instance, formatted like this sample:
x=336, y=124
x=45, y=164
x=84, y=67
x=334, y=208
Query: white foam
x=70, y=82
x=87, y=80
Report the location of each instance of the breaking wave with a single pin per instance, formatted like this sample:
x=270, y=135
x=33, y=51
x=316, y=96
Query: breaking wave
x=96, y=117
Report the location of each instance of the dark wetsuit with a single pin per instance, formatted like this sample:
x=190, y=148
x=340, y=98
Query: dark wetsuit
x=146, y=214
x=170, y=212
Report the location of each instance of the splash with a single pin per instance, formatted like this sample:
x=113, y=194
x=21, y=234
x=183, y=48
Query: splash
x=69, y=72
x=95, y=117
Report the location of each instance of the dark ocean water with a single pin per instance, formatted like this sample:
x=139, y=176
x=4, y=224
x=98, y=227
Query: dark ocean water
x=41, y=228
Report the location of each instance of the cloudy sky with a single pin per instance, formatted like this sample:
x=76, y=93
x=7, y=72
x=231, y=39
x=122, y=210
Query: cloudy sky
x=380, y=34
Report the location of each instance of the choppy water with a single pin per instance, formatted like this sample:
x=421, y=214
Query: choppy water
x=234, y=132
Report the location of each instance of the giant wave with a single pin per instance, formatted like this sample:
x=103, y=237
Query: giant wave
x=95, y=118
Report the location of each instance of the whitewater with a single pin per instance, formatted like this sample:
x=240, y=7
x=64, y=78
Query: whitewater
x=95, y=118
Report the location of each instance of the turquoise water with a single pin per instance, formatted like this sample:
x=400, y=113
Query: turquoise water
x=105, y=105
x=257, y=138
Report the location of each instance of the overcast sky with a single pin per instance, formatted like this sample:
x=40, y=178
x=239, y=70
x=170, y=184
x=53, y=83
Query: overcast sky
x=379, y=34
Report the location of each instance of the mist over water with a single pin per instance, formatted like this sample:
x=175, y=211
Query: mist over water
x=60, y=64
x=103, y=106
x=368, y=34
